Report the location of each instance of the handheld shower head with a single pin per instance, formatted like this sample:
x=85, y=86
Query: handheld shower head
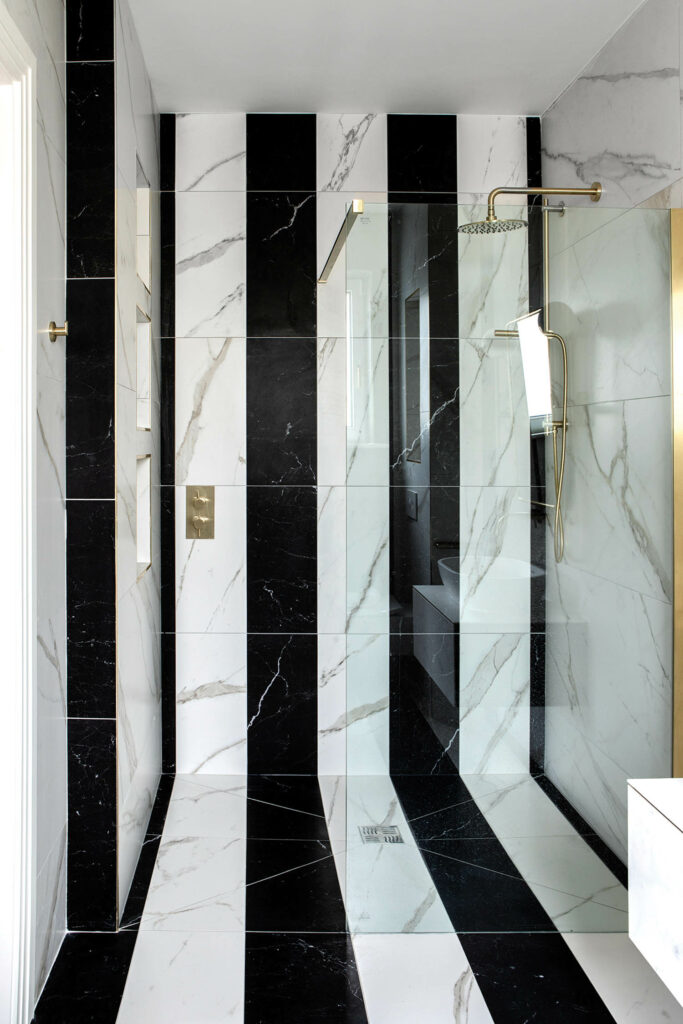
x=491, y=227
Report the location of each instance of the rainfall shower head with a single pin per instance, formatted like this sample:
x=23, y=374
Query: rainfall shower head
x=491, y=227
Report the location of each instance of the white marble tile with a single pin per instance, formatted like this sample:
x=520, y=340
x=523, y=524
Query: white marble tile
x=351, y=152
x=210, y=264
x=491, y=153
x=181, y=976
x=126, y=287
x=137, y=121
x=136, y=800
x=211, y=574
x=331, y=559
x=624, y=980
x=198, y=885
x=610, y=302
x=211, y=152
x=567, y=865
x=608, y=683
x=333, y=793
x=50, y=906
x=515, y=806
x=494, y=558
x=389, y=889
x=602, y=126
x=494, y=704
x=367, y=273
x=332, y=717
x=366, y=716
x=42, y=24
x=211, y=703
x=655, y=849
x=217, y=810
x=367, y=446
x=406, y=978
x=619, y=481
x=572, y=913
x=367, y=560
x=494, y=415
x=493, y=275
x=210, y=410
x=331, y=411
x=588, y=776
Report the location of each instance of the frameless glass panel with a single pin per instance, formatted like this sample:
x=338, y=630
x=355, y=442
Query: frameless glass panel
x=499, y=695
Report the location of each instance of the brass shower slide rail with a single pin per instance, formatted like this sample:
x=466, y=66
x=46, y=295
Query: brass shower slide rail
x=354, y=211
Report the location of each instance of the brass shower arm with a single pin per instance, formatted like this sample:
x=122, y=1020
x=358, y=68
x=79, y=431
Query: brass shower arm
x=594, y=193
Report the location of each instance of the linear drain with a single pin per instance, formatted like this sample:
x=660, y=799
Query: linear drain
x=380, y=833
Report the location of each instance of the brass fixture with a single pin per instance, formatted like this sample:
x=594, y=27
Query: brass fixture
x=55, y=332
x=354, y=211
x=493, y=225
x=677, y=401
x=553, y=427
x=200, y=513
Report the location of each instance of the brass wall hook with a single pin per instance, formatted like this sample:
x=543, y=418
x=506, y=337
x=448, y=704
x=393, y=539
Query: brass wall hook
x=55, y=332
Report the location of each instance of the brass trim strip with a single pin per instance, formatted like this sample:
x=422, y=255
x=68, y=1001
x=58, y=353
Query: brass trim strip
x=677, y=409
x=354, y=211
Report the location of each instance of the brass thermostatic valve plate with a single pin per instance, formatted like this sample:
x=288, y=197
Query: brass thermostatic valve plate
x=199, y=512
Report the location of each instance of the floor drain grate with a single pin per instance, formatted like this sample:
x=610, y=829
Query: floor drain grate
x=380, y=833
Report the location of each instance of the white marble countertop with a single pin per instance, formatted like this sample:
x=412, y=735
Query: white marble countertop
x=665, y=795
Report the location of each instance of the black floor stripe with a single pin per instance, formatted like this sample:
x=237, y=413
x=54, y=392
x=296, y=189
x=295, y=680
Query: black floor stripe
x=86, y=983
x=302, y=979
x=533, y=979
x=524, y=968
x=299, y=962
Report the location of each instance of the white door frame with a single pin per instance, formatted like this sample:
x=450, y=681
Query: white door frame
x=17, y=521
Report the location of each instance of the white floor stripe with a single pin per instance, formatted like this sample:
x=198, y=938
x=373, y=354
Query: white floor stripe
x=410, y=978
x=188, y=963
x=626, y=983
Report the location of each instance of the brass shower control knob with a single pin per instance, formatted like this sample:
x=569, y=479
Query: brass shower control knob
x=199, y=512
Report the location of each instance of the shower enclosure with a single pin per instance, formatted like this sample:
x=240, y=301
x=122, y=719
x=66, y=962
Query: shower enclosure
x=497, y=699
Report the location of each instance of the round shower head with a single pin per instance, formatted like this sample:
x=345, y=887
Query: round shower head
x=491, y=227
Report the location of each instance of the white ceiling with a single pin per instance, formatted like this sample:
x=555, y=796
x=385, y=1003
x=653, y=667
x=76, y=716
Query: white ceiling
x=431, y=56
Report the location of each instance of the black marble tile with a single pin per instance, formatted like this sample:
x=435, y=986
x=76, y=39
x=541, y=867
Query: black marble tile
x=282, y=704
x=168, y=702
x=423, y=721
x=167, y=566
x=90, y=389
x=167, y=136
x=533, y=979
x=281, y=264
x=89, y=30
x=480, y=887
x=292, y=886
x=444, y=382
x=167, y=267
x=281, y=152
x=440, y=807
x=91, y=855
x=86, y=983
x=281, y=411
x=442, y=227
x=422, y=154
x=537, y=703
x=135, y=903
x=285, y=807
x=91, y=609
x=424, y=529
x=281, y=559
x=302, y=978
x=90, y=159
